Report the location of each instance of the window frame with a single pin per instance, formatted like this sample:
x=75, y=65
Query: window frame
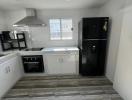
x=61, y=33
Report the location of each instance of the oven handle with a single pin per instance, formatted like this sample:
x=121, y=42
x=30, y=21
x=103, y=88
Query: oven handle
x=31, y=62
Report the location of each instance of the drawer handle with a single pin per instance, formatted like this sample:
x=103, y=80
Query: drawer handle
x=61, y=60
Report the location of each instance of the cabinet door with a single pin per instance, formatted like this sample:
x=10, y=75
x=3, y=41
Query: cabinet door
x=61, y=64
x=53, y=64
x=15, y=68
x=68, y=64
x=10, y=72
x=4, y=78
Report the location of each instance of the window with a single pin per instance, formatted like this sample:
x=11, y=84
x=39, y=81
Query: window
x=61, y=29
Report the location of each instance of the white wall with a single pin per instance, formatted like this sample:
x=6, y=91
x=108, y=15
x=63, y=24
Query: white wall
x=113, y=10
x=123, y=74
x=119, y=63
x=2, y=21
x=8, y=18
x=12, y=16
x=41, y=35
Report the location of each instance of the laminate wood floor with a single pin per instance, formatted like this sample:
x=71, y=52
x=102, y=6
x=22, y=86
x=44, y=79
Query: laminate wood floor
x=62, y=88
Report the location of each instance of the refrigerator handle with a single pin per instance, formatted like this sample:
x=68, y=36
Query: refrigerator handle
x=105, y=27
x=93, y=49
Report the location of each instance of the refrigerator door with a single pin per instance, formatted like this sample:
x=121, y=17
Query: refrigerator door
x=92, y=58
x=95, y=28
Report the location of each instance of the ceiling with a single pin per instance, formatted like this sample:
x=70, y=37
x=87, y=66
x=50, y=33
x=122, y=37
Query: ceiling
x=50, y=4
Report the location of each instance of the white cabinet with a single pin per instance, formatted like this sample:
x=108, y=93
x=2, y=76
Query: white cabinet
x=53, y=64
x=3, y=80
x=68, y=64
x=10, y=72
x=61, y=63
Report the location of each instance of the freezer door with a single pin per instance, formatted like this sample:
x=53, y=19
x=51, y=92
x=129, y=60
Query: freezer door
x=95, y=28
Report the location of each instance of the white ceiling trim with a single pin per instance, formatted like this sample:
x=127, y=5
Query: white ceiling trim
x=51, y=4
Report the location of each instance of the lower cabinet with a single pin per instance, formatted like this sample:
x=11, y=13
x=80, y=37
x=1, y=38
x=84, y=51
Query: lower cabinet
x=61, y=63
x=10, y=72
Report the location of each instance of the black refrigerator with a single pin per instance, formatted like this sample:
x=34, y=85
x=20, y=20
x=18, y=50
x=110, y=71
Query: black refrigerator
x=93, y=35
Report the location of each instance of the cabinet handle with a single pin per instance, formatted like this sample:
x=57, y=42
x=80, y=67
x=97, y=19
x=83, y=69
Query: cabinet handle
x=60, y=60
x=9, y=69
x=6, y=70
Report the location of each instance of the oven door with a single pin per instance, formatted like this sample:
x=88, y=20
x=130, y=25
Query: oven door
x=33, y=64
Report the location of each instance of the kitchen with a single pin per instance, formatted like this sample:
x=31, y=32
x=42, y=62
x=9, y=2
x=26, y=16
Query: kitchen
x=66, y=50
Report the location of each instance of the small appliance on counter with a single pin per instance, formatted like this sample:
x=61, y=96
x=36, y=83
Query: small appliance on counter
x=9, y=43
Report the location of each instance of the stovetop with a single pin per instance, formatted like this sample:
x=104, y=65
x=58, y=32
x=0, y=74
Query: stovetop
x=33, y=49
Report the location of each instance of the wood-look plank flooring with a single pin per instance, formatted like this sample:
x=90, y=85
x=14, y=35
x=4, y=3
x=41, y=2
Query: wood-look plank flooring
x=62, y=88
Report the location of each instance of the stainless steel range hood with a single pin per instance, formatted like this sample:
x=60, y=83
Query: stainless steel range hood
x=30, y=20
